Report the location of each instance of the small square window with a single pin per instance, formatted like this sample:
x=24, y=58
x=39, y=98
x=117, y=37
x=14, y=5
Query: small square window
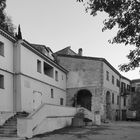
x=112, y=98
x=56, y=75
x=61, y=101
x=124, y=101
x=117, y=100
x=52, y=95
x=112, y=79
x=117, y=83
x=133, y=89
x=128, y=87
x=1, y=81
x=1, y=49
x=107, y=75
x=39, y=66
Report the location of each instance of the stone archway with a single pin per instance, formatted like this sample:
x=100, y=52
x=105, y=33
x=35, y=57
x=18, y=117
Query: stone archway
x=84, y=99
x=108, y=105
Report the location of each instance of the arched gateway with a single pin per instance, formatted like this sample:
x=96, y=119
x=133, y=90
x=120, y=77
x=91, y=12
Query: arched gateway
x=84, y=99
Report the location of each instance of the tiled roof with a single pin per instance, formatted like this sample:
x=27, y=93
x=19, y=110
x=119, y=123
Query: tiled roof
x=66, y=51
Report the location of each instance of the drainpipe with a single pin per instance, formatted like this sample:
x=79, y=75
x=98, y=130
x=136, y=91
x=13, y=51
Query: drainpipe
x=16, y=70
x=15, y=45
x=120, y=112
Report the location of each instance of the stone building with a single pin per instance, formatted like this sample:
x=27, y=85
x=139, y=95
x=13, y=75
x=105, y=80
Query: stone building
x=135, y=97
x=48, y=87
x=94, y=84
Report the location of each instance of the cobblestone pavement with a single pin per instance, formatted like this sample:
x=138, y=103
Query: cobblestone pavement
x=110, y=131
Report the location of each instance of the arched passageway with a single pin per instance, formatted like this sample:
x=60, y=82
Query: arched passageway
x=84, y=99
x=108, y=105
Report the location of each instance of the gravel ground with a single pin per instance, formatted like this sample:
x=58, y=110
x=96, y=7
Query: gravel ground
x=110, y=131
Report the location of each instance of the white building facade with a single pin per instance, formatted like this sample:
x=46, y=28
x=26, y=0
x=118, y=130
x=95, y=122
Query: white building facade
x=28, y=78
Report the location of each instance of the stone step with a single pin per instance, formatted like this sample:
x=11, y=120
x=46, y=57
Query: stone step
x=8, y=135
x=9, y=129
x=10, y=124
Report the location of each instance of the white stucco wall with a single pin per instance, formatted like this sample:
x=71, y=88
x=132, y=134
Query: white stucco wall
x=6, y=94
x=47, y=118
x=28, y=81
x=6, y=61
x=29, y=67
x=29, y=87
x=6, y=69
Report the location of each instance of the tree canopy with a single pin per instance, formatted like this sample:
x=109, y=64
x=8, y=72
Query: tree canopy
x=5, y=21
x=126, y=15
x=2, y=16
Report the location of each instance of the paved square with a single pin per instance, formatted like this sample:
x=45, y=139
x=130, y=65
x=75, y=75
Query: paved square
x=111, y=131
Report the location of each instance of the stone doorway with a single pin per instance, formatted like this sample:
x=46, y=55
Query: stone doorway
x=108, y=105
x=84, y=99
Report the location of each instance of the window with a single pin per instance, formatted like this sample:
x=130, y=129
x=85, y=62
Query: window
x=61, y=101
x=48, y=70
x=107, y=75
x=123, y=87
x=56, y=75
x=39, y=66
x=112, y=79
x=124, y=101
x=117, y=100
x=133, y=89
x=138, y=88
x=112, y=98
x=1, y=48
x=118, y=83
x=1, y=81
x=128, y=87
x=52, y=95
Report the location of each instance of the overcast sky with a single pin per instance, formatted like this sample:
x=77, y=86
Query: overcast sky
x=62, y=23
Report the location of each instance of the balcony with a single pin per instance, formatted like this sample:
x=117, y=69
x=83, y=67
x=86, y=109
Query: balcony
x=125, y=92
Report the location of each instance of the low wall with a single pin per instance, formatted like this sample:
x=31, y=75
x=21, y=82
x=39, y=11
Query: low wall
x=5, y=116
x=46, y=118
x=52, y=123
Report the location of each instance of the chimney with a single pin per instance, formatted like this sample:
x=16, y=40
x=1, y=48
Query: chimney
x=80, y=52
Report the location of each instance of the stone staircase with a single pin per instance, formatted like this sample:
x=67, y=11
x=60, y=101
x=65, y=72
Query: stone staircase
x=9, y=128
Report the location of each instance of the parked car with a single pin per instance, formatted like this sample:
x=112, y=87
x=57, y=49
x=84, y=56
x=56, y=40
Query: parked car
x=130, y=115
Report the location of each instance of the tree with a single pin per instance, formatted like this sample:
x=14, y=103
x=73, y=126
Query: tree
x=19, y=34
x=125, y=14
x=9, y=26
x=2, y=16
x=5, y=21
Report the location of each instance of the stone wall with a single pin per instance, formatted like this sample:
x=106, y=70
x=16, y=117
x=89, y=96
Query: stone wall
x=84, y=74
x=83, y=71
x=97, y=100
